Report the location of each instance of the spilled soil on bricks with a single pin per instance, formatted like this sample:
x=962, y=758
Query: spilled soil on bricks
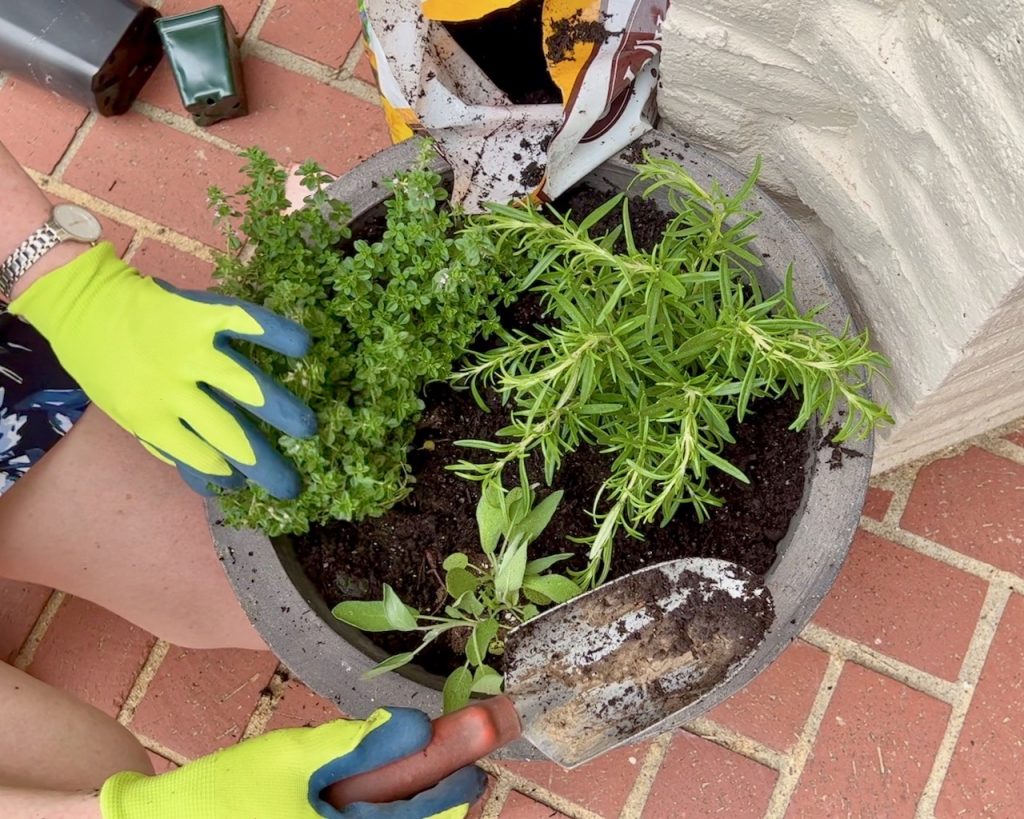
x=406, y=547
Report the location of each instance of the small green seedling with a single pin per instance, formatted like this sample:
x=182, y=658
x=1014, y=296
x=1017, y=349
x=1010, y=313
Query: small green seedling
x=489, y=596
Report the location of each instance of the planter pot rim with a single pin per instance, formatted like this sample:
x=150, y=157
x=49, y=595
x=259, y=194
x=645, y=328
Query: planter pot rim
x=297, y=624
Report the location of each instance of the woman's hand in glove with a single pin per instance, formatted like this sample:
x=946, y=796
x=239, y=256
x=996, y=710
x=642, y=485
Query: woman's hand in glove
x=159, y=361
x=281, y=775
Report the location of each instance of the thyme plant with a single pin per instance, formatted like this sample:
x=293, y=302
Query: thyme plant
x=386, y=315
x=654, y=355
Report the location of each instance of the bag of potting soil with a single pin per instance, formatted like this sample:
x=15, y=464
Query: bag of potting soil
x=523, y=97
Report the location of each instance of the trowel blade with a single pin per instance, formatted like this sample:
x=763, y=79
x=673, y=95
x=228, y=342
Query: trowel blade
x=590, y=675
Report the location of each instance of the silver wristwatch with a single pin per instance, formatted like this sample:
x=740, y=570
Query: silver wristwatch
x=66, y=223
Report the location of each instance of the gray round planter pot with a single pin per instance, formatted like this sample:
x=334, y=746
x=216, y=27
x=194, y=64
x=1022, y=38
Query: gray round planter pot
x=330, y=657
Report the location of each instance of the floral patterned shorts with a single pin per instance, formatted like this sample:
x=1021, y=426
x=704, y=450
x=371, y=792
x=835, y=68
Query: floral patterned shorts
x=39, y=402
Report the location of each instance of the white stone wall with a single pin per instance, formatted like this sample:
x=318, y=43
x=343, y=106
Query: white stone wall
x=894, y=131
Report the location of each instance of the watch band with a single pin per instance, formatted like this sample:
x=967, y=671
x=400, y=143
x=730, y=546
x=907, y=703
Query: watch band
x=24, y=256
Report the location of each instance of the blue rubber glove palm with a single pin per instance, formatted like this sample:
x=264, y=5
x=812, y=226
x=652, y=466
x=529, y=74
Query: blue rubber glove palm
x=281, y=775
x=159, y=361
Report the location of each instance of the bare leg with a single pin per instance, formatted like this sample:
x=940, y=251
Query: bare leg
x=52, y=741
x=101, y=519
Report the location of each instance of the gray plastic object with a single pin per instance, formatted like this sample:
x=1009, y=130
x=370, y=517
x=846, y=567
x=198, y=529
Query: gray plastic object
x=330, y=657
x=98, y=53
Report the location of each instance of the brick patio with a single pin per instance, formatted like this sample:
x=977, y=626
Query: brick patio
x=905, y=696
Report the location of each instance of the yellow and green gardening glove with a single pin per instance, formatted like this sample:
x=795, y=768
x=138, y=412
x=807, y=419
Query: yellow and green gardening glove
x=280, y=775
x=159, y=361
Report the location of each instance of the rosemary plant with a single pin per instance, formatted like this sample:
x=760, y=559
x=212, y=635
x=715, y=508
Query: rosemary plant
x=653, y=356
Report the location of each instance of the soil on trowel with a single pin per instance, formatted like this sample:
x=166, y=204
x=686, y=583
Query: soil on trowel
x=406, y=547
x=643, y=648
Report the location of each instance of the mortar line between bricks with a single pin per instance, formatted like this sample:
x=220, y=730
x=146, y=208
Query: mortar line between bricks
x=863, y=655
x=148, y=228
x=133, y=247
x=944, y=554
x=641, y=790
x=27, y=652
x=538, y=792
x=496, y=801
x=259, y=19
x=264, y=710
x=1004, y=449
x=142, y=680
x=970, y=674
x=71, y=149
x=737, y=743
x=161, y=750
x=323, y=74
x=184, y=125
x=789, y=775
x=351, y=61
x=900, y=482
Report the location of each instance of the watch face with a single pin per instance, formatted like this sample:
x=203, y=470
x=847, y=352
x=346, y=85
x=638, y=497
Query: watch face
x=78, y=222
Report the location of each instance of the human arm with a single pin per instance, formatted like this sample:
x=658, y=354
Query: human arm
x=21, y=803
x=25, y=208
x=280, y=775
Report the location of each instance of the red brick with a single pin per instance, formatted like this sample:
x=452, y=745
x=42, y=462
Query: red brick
x=20, y=607
x=984, y=778
x=520, y=806
x=240, y=12
x=699, y=778
x=774, y=707
x=160, y=764
x=92, y=654
x=295, y=118
x=155, y=171
x=877, y=502
x=299, y=707
x=200, y=701
x=323, y=30
x=36, y=125
x=904, y=604
x=973, y=503
x=1016, y=437
x=175, y=266
x=874, y=750
x=601, y=786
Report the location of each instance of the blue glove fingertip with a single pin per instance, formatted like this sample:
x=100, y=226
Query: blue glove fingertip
x=464, y=787
x=406, y=732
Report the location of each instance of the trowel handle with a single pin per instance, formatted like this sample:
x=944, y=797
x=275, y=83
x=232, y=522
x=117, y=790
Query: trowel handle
x=459, y=739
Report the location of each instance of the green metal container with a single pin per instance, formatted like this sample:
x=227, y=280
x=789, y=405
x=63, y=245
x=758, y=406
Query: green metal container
x=202, y=48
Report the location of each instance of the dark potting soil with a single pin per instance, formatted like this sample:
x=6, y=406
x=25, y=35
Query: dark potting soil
x=567, y=32
x=508, y=47
x=406, y=547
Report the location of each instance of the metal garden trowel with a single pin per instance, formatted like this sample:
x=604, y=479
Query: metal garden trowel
x=592, y=674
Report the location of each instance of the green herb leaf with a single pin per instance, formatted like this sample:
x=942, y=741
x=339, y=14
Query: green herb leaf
x=390, y=664
x=508, y=578
x=531, y=526
x=487, y=681
x=555, y=587
x=457, y=689
x=368, y=615
x=457, y=560
x=480, y=641
x=400, y=616
x=460, y=581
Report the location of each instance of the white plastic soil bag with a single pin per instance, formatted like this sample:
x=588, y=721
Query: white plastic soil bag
x=601, y=56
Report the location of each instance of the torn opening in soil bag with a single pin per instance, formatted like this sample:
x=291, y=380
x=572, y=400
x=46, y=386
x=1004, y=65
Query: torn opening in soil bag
x=579, y=81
